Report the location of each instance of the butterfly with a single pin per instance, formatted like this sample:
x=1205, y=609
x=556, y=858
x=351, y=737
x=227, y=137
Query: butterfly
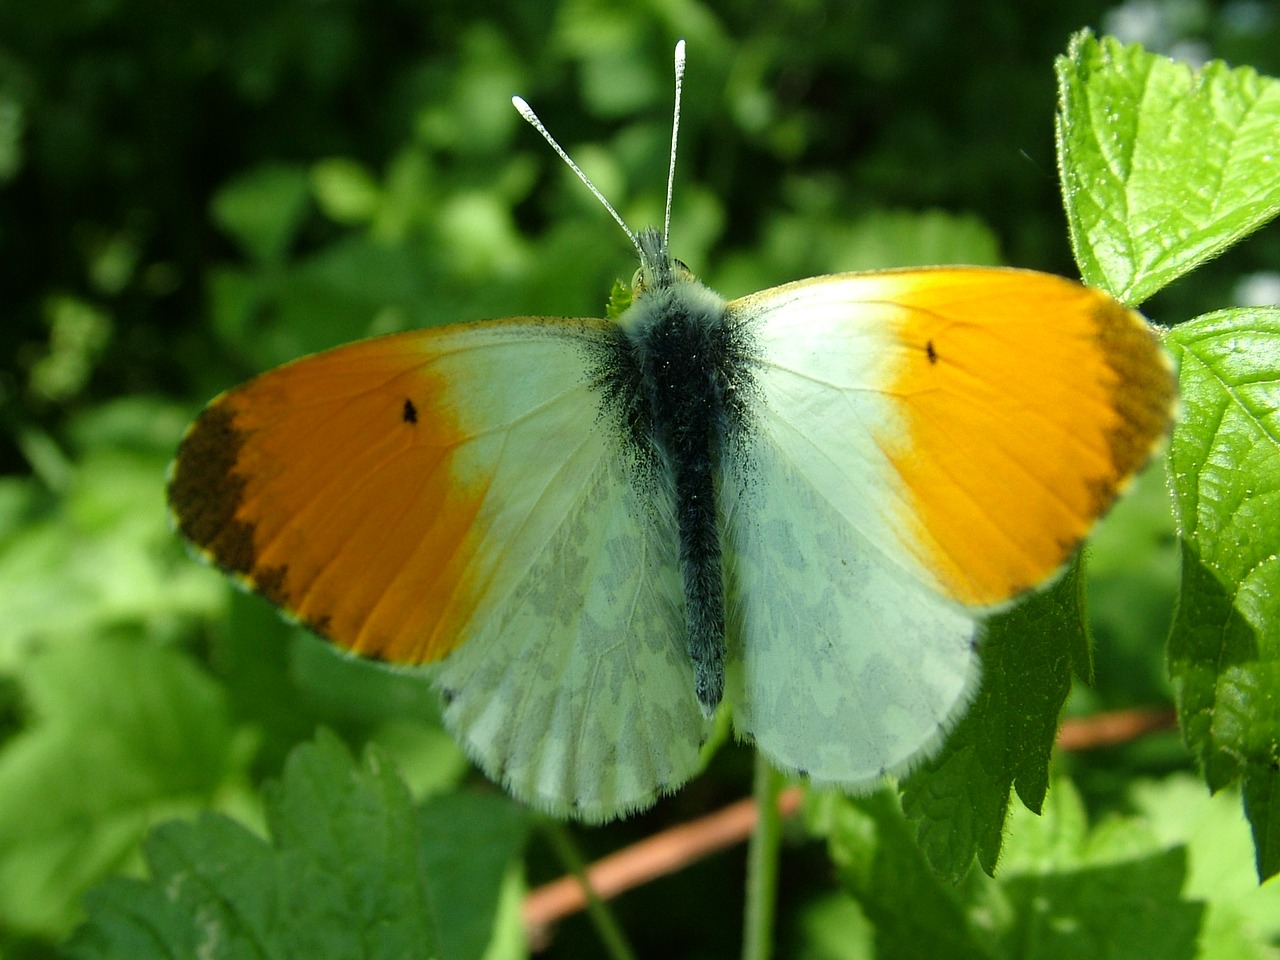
x=803, y=502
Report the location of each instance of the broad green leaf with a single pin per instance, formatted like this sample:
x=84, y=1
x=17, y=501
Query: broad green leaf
x=809, y=243
x=343, y=875
x=356, y=688
x=915, y=913
x=122, y=734
x=1113, y=892
x=262, y=209
x=352, y=288
x=1242, y=921
x=1162, y=166
x=832, y=927
x=1054, y=838
x=101, y=556
x=1224, y=651
x=345, y=190
x=236, y=296
x=350, y=835
x=79, y=331
x=1166, y=882
x=1262, y=804
x=960, y=798
x=473, y=114
x=1132, y=584
x=899, y=238
x=468, y=842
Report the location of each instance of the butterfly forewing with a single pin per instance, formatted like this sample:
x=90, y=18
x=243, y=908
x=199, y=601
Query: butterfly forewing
x=974, y=422
x=466, y=494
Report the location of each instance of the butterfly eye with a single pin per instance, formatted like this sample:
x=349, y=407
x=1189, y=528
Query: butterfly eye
x=681, y=270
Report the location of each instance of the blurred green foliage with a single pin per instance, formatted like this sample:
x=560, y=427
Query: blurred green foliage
x=191, y=193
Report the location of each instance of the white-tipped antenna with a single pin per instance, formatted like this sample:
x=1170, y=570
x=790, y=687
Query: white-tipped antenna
x=675, y=133
x=526, y=111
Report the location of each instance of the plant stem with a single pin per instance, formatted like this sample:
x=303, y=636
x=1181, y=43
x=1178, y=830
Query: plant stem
x=615, y=943
x=762, y=865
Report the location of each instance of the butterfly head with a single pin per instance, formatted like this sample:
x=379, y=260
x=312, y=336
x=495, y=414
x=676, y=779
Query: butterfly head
x=657, y=271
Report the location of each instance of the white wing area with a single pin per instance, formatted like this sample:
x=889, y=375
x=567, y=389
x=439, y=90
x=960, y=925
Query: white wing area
x=845, y=664
x=841, y=666
x=824, y=379
x=574, y=688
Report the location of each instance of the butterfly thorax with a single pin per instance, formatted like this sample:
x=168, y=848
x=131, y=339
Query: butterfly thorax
x=687, y=365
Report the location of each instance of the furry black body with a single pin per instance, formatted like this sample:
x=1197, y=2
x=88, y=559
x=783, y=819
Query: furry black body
x=688, y=367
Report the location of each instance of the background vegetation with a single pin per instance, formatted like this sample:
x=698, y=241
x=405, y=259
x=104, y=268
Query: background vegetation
x=191, y=193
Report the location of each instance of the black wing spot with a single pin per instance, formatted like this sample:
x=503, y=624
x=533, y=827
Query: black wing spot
x=410, y=412
x=928, y=349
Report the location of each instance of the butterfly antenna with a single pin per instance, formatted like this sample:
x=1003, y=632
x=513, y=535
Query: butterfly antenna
x=526, y=111
x=675, y=133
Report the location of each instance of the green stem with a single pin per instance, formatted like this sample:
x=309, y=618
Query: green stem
x=615, y=943
x=762, y=865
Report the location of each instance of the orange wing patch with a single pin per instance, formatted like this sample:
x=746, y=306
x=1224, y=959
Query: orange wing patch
x=1029, y=403
x=323, y=488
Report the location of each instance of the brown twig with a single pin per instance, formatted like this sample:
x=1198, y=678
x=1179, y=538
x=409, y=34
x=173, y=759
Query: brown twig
x=655, y=856
x=1111, y=728
x=677, y=847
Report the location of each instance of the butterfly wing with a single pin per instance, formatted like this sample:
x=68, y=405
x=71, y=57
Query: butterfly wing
x=840, y=665
x=460, y=497
x=928, y=445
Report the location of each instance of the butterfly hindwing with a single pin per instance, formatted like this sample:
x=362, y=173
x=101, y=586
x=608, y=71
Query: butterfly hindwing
x=464, y=496
x=603, y=719
x=842, y=666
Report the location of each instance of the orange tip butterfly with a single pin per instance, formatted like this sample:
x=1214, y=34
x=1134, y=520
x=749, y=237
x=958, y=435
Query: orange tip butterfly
x=804, y=502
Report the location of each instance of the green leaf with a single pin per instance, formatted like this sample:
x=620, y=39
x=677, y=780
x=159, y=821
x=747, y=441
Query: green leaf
x=262, y=209
x=103, y=558
x=1262, y=804
x=1165, y=883
x=343, y=875
x=351, y=869
x=352, y=288
x=619, y=300
x=1224, y=651
x=815, y=242
x=831, y=927
x=914, y=912
x=886, y=239
x=350, y=835
x=1162, y=167
x=469, y=841
x=345, y=190
x=236, y=296
x=1242, y=921
x=1109, y=893
x=960, y=798
x=122, y=734
x=1132, y=584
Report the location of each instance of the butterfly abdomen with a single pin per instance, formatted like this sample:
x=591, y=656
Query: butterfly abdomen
x=685, y=360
